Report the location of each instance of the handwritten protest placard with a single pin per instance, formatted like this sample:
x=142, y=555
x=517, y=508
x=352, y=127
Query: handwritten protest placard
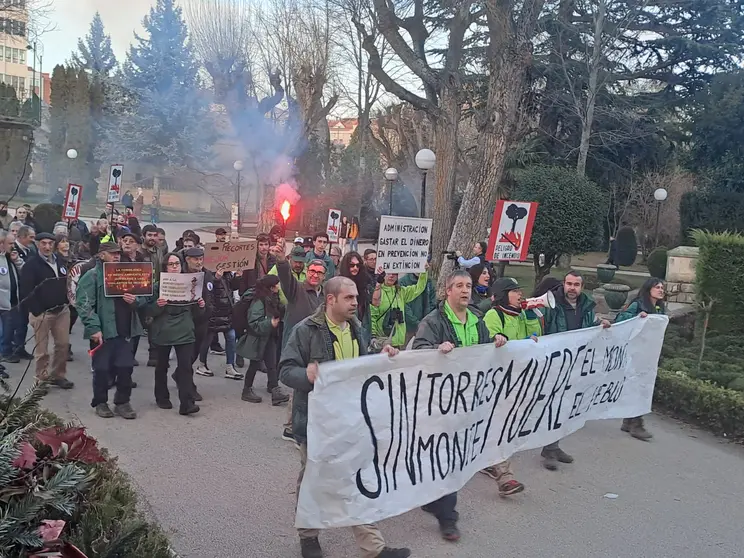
x=230, y=256
x=127, y=277
x=403, y=244
x=181, y=287
x=386, y=435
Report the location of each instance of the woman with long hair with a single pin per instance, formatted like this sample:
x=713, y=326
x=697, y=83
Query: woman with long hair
x=173, y=328
x=353, y=235
x=352, y=267
x=650, y=300
x=480, y=298
x=260, y=341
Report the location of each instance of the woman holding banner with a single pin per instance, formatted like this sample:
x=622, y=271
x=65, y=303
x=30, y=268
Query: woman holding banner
x=173, y=327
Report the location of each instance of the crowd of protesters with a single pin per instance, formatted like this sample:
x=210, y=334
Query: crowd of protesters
x=298, y=306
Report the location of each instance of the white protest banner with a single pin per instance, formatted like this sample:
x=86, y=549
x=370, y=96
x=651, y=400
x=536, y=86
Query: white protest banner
x=403, y=244
x=230, y=256
x=72, y=201
x=334, y=221
x=181, y=287
x=511, y=230
x=389, y=435
x=114, y=189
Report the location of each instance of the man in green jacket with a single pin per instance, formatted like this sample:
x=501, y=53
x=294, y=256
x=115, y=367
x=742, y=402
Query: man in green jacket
x=419, y=306
x=331, y=333
x=110, y=324
x=574, y=309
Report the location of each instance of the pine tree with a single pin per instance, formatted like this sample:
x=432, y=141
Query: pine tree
x=96, y=54
x=169, y=123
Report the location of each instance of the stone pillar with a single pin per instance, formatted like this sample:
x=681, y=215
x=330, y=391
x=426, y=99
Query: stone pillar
x=680, y=274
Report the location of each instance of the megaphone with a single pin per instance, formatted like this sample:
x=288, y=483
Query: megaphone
x=545, y=301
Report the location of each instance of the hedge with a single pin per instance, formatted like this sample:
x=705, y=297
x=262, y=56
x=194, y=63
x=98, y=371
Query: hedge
x=712, y=211
x=719, y=409
x=720, y=269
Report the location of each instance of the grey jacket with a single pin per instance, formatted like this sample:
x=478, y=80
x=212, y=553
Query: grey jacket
x=302, y=300
x=436, y=329
x=6, y=268
x=310, y=341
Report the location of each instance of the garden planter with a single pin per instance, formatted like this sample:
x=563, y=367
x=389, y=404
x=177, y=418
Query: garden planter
x=615, y=295
x=605, y=273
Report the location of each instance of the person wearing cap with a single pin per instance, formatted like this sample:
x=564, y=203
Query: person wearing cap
x=299, y=241
x=194, y=263
x=111, y=323
x=220, y=235
x=44, y=296
x=297, y=267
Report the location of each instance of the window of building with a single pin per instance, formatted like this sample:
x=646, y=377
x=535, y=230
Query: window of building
x=21, y=88
x=8, y=54
x=21, y=56
x=15, y=55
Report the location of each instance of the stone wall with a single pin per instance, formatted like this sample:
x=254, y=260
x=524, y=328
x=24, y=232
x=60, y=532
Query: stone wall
x=680, y=274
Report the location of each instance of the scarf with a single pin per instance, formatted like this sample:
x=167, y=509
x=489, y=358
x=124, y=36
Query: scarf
x=509, y=310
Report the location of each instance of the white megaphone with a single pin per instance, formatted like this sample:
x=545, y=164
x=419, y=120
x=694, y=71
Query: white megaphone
x=545, y=301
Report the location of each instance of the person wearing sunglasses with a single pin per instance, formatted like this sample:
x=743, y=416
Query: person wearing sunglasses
x=352, y=267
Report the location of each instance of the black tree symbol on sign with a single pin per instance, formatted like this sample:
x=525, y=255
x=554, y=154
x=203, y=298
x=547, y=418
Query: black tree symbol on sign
x=515, y=213
x=116, y=173
x=73, y=193
x=335, y=215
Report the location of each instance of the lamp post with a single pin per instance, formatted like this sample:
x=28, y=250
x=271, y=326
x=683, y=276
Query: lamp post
x=660, y=194
x=425, y=161
x=71, y=155
x=36, y=53
x=391, y=175
x=238, y=166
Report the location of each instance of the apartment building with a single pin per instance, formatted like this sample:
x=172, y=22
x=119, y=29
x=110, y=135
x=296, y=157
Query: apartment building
x=14, y=52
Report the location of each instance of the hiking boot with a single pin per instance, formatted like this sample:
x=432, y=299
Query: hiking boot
x=388, y=552
x=164, y=404
x=12, y=358
x=202, y=370
x=563, y=457
x=278, y=396
x=510, y=487
x=125, y=411
x=449, y=531
x=62, y=383
x=550, y=459
x=251, y=396
x=310, y=548
x=637, y=430
x=191, y=409
x=232, y=374
x=104, y=411
x=626, y=425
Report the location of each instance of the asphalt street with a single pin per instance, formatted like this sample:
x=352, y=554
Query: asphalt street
x=222, y=483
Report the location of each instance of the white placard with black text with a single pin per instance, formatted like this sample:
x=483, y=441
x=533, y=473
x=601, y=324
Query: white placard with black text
x=403, y=244
x=114, y=190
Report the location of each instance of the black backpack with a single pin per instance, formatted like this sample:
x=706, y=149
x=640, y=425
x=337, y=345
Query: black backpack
x=240, y=314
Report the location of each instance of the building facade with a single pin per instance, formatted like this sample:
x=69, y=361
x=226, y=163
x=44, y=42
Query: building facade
x=14, y=53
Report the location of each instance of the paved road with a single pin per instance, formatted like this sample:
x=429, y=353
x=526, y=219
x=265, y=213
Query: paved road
x=223, y=484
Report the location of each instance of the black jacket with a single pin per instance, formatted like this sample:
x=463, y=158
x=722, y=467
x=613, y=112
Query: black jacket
x=250, y=276
x=222, y=301
x=41, y=289
x=436, y=328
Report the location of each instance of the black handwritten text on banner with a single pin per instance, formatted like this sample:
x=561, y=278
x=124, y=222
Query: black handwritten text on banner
x=403, y=244
x=388, y=435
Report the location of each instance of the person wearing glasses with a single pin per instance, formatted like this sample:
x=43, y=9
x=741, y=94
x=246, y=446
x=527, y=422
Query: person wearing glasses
x=352, y=267
x=173, y=326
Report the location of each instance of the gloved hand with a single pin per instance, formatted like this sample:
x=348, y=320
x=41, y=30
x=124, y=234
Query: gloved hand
x=381, y=278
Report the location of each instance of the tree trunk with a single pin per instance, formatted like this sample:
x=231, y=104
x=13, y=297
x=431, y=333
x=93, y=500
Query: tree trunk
x=445, y=146
x=268, y=210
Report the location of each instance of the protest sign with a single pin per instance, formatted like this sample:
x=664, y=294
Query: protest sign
x=388, y=435
x=510, y=232
x=72, y=201
x=73, y=278
x=333, y=224
x=403, y=244
x=120, y=278
x=230, y=256
x=181, y=287
x=114, y=189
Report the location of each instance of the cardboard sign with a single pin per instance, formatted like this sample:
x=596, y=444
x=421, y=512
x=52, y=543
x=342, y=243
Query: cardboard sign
x=114, y=188
x=72, y=201
x=120, y=278
x=403, y=244
x=181, y=287
x=334, y=223
x=509, y=239
x=230, y=256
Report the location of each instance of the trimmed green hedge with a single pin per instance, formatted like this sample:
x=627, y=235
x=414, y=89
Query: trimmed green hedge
x=720, y=269
x=657, y=262
x=627, y=247
x=719, y=409
x=713, y=211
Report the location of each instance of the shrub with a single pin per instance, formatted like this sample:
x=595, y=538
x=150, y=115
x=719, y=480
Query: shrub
x=47, y=214
x=719, y=409
x=657, y=262
x=720, y=269
x=627, y=247
x=712, y=211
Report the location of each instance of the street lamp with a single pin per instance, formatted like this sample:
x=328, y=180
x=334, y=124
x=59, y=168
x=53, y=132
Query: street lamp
x=71, y=155
x=238, y=166
x=660, y=194
x=391, y=175
x=425, y=161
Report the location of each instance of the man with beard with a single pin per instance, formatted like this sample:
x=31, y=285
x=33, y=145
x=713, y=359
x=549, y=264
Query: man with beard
x=220, y=235
x=5, y=217
x=162, y=242
x=264, y=262
x=151, y=252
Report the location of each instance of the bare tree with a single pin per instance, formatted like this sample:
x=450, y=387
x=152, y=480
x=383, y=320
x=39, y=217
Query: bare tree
x=36, y=14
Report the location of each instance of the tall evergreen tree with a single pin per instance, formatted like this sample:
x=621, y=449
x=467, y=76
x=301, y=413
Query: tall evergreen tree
x=96, y=54
x=168, y=124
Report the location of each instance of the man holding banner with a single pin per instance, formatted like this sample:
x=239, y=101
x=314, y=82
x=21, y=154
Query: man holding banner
x=331, y=333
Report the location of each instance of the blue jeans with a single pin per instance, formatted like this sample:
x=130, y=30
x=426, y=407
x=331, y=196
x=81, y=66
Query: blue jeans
x=354, y=245
x=229, y=346
x=14, y=330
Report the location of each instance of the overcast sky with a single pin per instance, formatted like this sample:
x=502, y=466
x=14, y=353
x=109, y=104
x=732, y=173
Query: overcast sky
x=72, y=18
